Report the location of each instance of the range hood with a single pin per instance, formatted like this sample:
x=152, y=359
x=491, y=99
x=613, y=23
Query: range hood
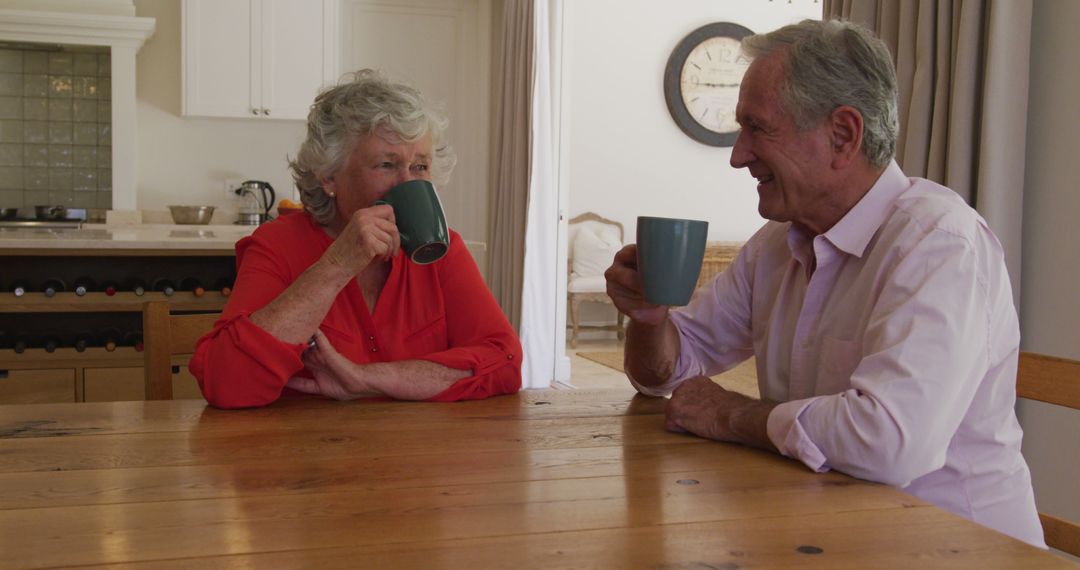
x=124, y=35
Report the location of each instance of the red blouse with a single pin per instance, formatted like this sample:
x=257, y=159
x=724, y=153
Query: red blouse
x=442, y=313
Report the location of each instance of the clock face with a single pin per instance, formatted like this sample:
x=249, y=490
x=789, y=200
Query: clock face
x=701, y=82
x=710, y=83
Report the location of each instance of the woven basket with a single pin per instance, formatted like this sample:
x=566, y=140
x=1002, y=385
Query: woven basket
x=718, y=256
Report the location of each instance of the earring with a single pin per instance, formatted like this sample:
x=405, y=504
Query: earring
x=333, y=194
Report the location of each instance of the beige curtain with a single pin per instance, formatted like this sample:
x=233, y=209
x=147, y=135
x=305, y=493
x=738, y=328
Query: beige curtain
x=962, y=70
x=511, y=81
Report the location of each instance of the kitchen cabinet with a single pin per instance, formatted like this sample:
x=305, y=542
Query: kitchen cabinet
x=37, y=386
x=112, y=384
x=97, y=372
x=119, y=384
x=264, y=59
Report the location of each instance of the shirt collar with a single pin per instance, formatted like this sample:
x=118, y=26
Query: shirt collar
x=853, y=232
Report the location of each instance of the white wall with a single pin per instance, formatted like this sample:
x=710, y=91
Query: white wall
x=1049, y=303
x=185, y=160
x=442, y=47
x=627, y=156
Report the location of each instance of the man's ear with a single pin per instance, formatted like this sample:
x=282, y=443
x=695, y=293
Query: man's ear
x=846, y=128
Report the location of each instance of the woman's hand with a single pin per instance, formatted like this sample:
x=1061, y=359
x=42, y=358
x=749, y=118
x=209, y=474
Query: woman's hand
x=335, y=376
x=624, y=286
x=370, y=234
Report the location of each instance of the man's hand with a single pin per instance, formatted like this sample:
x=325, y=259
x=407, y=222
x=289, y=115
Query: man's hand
x=624, y=286
x=703, y=408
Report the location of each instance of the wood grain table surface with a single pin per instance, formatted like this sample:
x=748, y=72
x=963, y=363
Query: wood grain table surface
x=542, y=479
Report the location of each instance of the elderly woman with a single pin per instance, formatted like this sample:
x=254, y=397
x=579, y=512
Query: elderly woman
x=381, y=324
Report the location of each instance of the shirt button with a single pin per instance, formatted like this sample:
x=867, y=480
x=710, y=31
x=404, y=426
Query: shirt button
x=371, y=338
x=373, y=349
x=509, y=356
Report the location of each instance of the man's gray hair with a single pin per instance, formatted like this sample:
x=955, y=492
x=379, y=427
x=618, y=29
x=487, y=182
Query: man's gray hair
x=833, y=63
x=361, y=104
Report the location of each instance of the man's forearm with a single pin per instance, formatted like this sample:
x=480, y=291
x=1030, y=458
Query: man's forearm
x=651, y=352
x=749, y=424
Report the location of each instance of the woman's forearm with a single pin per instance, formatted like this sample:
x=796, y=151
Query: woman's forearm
x=406, y=379
x=295, y=314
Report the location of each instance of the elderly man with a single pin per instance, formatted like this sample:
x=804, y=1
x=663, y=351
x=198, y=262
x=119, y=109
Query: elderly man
x=877, y=305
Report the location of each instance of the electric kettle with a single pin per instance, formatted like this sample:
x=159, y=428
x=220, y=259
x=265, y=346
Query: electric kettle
x=263, y=195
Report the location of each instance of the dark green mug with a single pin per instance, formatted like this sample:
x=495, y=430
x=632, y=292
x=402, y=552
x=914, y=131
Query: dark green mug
x=420, y=220
x=669, y=256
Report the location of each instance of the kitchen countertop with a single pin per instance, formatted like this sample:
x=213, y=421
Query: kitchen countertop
x=127, y=237
x=142, y=236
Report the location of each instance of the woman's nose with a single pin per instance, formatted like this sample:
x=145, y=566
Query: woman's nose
x=406, y=174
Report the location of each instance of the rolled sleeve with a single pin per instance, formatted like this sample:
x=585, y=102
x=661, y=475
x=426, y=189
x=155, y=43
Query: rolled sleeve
x=250, y=366
x=791, y=438
x=496, y=370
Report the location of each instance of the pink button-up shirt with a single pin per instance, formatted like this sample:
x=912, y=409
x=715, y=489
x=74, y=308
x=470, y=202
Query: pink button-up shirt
x=892, y=342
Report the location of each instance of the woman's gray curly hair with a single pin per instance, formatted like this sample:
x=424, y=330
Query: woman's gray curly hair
x=362, y=103
x=833, y=63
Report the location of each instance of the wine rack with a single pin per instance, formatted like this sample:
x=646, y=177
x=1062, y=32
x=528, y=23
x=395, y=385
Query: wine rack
x=64, y=373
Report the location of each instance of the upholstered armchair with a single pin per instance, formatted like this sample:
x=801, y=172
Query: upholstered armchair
x=593, y=242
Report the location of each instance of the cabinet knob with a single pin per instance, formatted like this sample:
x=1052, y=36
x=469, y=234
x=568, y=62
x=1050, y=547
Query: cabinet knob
x=254, y=111
x=266, y=111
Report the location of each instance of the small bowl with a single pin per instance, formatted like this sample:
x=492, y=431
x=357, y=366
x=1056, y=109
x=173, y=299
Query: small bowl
x=192, y=215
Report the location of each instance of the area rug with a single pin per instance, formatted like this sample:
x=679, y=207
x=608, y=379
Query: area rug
x=741, y=379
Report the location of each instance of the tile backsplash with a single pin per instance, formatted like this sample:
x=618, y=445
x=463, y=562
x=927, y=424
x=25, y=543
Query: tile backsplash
x=55, y=127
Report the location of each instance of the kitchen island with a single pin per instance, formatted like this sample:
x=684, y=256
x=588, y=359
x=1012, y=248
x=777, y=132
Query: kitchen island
x=59, y=345
x=69, y=347
x=100, y=239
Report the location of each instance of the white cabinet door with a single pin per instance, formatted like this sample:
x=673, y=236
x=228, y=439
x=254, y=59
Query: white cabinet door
x=298, y=48
x=217, y=52
x=264, y=59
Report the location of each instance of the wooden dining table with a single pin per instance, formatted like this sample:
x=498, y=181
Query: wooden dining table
x=541, y=479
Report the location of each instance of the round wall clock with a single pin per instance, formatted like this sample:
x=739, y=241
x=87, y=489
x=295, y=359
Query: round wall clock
x=701, y=82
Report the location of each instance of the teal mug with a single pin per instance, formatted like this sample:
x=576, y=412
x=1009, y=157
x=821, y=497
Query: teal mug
x=669, y=255
x=421, y=223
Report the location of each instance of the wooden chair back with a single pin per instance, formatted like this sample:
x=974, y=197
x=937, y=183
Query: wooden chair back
x=164, y=336
x=1055, y=381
